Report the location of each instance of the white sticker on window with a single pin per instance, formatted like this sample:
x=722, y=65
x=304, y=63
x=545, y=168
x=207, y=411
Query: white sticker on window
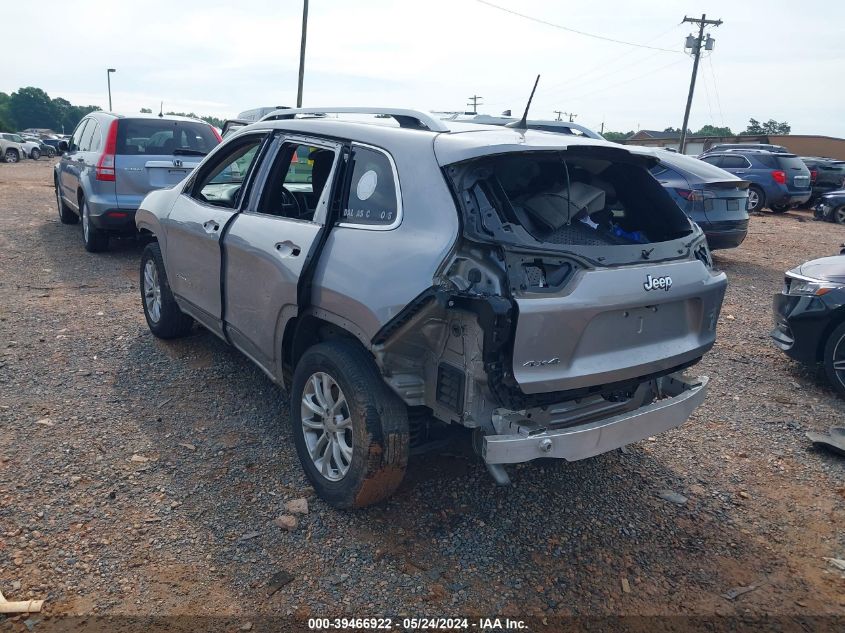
x=366, y=185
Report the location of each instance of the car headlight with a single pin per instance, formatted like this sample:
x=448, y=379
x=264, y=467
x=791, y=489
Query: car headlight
x=811, y=287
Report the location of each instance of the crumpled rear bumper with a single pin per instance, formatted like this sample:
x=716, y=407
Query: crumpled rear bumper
x=574, y=442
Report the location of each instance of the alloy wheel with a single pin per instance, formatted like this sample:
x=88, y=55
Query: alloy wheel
x=839, y=361
x=85, y=221
x=11, y=157
x=327, y=426
x=152, y=291
x=839, y=215
x=753, y=200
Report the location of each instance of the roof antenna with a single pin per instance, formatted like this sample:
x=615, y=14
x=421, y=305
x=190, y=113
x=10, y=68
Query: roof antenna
x=522, y=124
x=161, y=110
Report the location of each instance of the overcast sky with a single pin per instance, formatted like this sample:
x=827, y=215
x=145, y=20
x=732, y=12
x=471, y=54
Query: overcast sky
x=780, y=59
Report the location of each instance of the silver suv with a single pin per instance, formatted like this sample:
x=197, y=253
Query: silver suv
x=542, y=290
x=113, y=161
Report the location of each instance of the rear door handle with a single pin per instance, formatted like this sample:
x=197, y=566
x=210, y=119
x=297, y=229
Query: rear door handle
x=287, y=249
x=210, y=226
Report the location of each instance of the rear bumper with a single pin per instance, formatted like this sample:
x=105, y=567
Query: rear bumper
x=112, y=219
x=527, y=441
x=725, y=234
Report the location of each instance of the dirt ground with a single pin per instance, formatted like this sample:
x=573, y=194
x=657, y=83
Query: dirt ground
x=141, y=477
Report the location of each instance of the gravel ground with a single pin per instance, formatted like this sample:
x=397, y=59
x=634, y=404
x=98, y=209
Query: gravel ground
x=142, y=477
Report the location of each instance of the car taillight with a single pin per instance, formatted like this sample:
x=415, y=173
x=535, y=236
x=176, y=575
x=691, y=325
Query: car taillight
x=695, y=195
x=779, y=176
x=105, y=166
x=813, y=175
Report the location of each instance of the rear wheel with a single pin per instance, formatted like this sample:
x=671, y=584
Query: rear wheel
x=35, y=154
x=349, y=428
x=96, y=240
x=834, y=359
x=163, y=315
x=839, y=215
x=11, y=156
x=756, y=199
x=66, y=216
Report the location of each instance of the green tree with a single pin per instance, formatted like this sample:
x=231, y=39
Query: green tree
x=32, y=107
x=216, y=122
x=5, y=117
x=146, y=111
x=617, y=136
x=773, y=127
x=754, y=127
x=712, y=130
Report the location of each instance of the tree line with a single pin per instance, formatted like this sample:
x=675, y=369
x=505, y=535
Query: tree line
x=754, y=128
x=31, y=107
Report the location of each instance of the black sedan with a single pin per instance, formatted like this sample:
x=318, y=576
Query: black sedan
x=831, y=207
x=809, y=316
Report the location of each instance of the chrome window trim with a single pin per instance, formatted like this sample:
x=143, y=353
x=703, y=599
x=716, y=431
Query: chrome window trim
x=399, y=210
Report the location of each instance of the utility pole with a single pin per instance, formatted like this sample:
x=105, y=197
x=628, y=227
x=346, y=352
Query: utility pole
x=474, y=102
x=109, y=71
x=695, y=44
x=302, y=53
x=558, y=113
x=602, y=128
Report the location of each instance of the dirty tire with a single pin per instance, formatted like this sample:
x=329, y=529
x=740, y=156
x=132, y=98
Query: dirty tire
x=11, y=156
x=95, y=240
x=35, y=154
x=834, y=359
x=171, y=321
x=379, y=422
x=66, y=215
x=758, y=199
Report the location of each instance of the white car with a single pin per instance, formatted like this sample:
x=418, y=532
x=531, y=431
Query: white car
x=30, y=148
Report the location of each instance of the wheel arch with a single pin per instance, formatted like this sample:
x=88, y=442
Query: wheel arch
x=837, y=320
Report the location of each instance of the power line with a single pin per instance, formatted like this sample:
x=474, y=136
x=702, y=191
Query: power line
x=571, y=30
x=629, y=80
x=716, y=89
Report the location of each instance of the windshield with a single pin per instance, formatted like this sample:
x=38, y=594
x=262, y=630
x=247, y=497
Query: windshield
x=163, y=136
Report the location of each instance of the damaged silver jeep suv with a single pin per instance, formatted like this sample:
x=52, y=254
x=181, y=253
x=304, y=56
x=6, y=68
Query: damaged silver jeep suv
x=403, y=272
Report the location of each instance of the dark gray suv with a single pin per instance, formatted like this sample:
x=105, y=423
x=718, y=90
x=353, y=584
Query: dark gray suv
x=113, y=161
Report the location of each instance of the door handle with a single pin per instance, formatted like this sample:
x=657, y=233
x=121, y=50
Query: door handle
x=287, y=249
x=210, y=226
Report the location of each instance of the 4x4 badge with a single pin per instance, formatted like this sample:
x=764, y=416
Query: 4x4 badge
x=541, y=363
x=657, y=283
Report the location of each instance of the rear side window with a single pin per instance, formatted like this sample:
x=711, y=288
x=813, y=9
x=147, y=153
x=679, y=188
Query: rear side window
x=373, y=198
x=789, y=162
x=768, y=160
x=77, y=134
x=734, y=162
x=164, y=137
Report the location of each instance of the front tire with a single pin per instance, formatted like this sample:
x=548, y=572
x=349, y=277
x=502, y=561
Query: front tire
x=838, y=215
x=756, y=199
x=163, y=315
x=66, y=215
x=11, y=156
x=349, y=428
x=35, y=154
x=834, y=359
x=95, y=240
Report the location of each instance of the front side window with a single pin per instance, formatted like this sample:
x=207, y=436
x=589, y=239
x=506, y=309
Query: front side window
x=372, y=198
x=713, y=160
x=221, y=183
x=298, y=186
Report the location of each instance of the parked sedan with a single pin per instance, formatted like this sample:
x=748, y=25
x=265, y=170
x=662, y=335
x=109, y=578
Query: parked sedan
x=809, y=315
x=831, y=207
x=713, y=198
x=31, y=149
x=826, y=174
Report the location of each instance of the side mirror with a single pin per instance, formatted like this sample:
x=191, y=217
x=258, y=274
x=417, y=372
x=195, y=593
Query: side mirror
x=63, y=146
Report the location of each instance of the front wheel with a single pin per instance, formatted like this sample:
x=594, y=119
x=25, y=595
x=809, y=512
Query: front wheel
x=35, y=154
x=839, y=215
x=11, y=156
x=51, y=153
x=349, y=428
x=163, y=315
x=756, y=199
x=66, y=215
x=834, y=359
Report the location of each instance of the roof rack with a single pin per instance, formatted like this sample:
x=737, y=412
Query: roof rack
x=406, y=118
